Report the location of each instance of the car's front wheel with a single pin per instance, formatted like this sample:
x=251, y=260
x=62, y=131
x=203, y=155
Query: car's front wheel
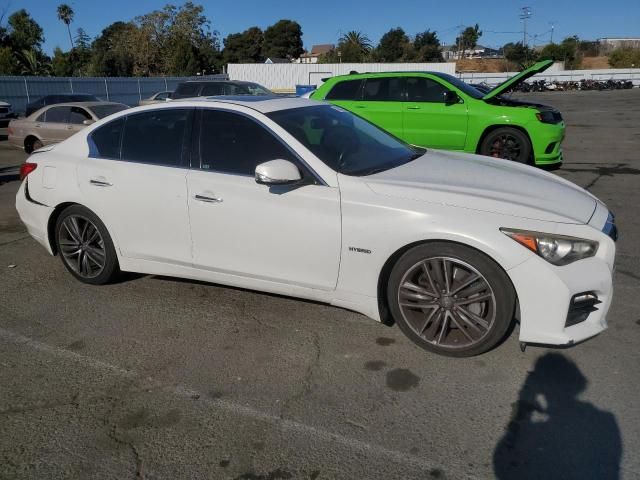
x=507, y=143
x=450, y=299
x=85, y=246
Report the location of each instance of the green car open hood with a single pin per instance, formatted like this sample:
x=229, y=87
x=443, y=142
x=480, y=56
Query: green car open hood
x=520, y=77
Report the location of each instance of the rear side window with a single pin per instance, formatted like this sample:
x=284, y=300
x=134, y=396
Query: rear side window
x=211, y=89
x=235, y=144
x=185, y=90
x=156, y=137
x=57, y=115
x=421, y=89
x=346, y=90
x=382, y=90
x=104, y=142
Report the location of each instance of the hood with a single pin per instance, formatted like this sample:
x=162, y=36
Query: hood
x=518, y=78
x=482, y=183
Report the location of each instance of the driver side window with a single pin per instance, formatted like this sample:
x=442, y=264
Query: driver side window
x=235, y=144
x=421, y=89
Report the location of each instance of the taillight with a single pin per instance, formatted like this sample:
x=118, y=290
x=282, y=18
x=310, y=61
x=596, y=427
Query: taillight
x=26, y=168
x=9, y=131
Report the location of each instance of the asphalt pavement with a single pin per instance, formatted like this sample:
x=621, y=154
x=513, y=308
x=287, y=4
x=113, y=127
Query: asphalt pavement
x=154, y=377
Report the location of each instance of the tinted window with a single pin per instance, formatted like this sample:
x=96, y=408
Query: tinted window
x=382, y=89
x=81, y=97
x=102, y=111
x=420, y=89
x=162, y=96
x=456, y=82
x=78, y=115
x=233, y=143
x=57, y=115
x=41, y=117
x=104, y=142
x=155, y=137
x=185, y=90
x=347, y=90
x=213, y=89
x=345, y=142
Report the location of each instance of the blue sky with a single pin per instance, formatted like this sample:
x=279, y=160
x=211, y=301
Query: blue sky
x=324, y=21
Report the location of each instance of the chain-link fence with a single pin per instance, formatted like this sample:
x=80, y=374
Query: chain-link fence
x=18, y=91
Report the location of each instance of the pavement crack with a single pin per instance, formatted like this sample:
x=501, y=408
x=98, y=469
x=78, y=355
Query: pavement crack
x=307, y=383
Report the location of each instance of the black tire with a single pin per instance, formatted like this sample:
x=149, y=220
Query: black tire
x=469, y=327
x=507, y=143
x=31, y=144
x=86, y=250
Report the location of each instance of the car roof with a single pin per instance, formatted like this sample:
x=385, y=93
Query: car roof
x=386, y=74
x=236, y=82
x=261, y=103
x=82, y=104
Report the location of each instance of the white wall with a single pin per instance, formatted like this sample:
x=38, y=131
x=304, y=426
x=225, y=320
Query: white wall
x=285, y=76
x=559, y=75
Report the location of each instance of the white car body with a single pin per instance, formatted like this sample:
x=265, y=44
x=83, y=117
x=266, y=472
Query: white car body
x=330, y=242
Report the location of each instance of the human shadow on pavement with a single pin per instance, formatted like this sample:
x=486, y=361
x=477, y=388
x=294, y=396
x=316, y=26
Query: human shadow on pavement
x=554, y=435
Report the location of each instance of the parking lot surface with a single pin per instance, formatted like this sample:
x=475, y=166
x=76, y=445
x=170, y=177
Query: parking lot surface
x=155, y=377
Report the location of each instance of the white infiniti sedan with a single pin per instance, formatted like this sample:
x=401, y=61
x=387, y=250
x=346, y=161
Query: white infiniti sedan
x=302, y=198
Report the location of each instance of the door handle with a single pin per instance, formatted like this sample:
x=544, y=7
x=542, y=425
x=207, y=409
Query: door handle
x=204, y=198
x=413, y=107
x=100, y=183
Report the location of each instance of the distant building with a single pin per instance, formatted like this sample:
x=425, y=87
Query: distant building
x=272, y=60
x=610, y=43
x=316, y=51
x=451, y=52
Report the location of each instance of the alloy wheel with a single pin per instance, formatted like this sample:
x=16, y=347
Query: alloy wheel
x=505, y=146
x=447, y=302
x=82, y=246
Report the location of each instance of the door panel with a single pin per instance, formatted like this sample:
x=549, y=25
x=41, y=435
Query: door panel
x=381, y=103
x=139, y=190
x=284, y=234
x=428, y=121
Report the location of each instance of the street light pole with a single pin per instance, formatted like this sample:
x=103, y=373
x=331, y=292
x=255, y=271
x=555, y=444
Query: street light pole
x=525, y=14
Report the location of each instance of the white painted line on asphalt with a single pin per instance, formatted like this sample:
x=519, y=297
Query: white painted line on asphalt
x=232, y=407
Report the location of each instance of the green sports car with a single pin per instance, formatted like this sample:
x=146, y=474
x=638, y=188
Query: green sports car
x=432, y=109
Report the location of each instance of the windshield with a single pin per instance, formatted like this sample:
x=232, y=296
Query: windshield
x=345, y=142
x=102, y=111
x=460, y=85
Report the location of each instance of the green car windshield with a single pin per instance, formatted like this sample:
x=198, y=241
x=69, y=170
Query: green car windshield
x=345, y=142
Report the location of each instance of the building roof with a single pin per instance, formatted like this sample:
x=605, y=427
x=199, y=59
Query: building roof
x=317, y=50
x=277, y=60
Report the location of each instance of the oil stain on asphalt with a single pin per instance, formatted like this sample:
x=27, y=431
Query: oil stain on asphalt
x=375, y=365
x=385, y=342
x=402, y=380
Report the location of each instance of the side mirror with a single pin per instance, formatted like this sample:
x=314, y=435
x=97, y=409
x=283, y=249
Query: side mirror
x=88, y=121
x=277, y=172
x=451, y=97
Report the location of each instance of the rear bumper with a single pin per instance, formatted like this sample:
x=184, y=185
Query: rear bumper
x=35, y=217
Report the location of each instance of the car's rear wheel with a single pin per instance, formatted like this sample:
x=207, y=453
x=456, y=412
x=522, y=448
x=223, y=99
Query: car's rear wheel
x=31, y=144
x=508, y=143
x=85, y=246
x=450, y=299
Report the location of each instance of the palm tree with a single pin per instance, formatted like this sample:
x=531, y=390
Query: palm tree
x=358, y=40
x=30, y=63
x=65, y=13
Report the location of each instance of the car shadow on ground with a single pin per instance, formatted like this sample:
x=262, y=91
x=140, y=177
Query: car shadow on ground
x=553, y=434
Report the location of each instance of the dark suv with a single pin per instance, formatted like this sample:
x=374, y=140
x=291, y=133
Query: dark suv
x=211, y=88
x=59, y=98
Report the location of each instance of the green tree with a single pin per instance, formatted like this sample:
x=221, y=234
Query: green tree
x=520, y=54
x=113, y=51
x=60, y=64
x=356, y=41
x=283, y=39
x=245, y=47
x=80, y=55
x=65, y=14
x=24, y=33
x=7, y=61
x=393, y=46
x=31, y=63
x=566, y=51
x=625, y=57
x=468, y=39
x=427, y=47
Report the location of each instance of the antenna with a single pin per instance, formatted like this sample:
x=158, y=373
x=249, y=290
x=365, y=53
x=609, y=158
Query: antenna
x=525, y=14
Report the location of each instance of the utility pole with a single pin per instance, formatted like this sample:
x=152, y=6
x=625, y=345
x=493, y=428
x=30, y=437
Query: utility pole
x=525, y=14
x=553, y=26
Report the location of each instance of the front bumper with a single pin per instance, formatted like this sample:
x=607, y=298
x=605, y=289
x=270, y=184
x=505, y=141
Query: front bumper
x=547, y=140
x=545, y=293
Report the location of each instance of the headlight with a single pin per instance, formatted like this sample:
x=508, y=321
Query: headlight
x=555, y=249
x=548, y=116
